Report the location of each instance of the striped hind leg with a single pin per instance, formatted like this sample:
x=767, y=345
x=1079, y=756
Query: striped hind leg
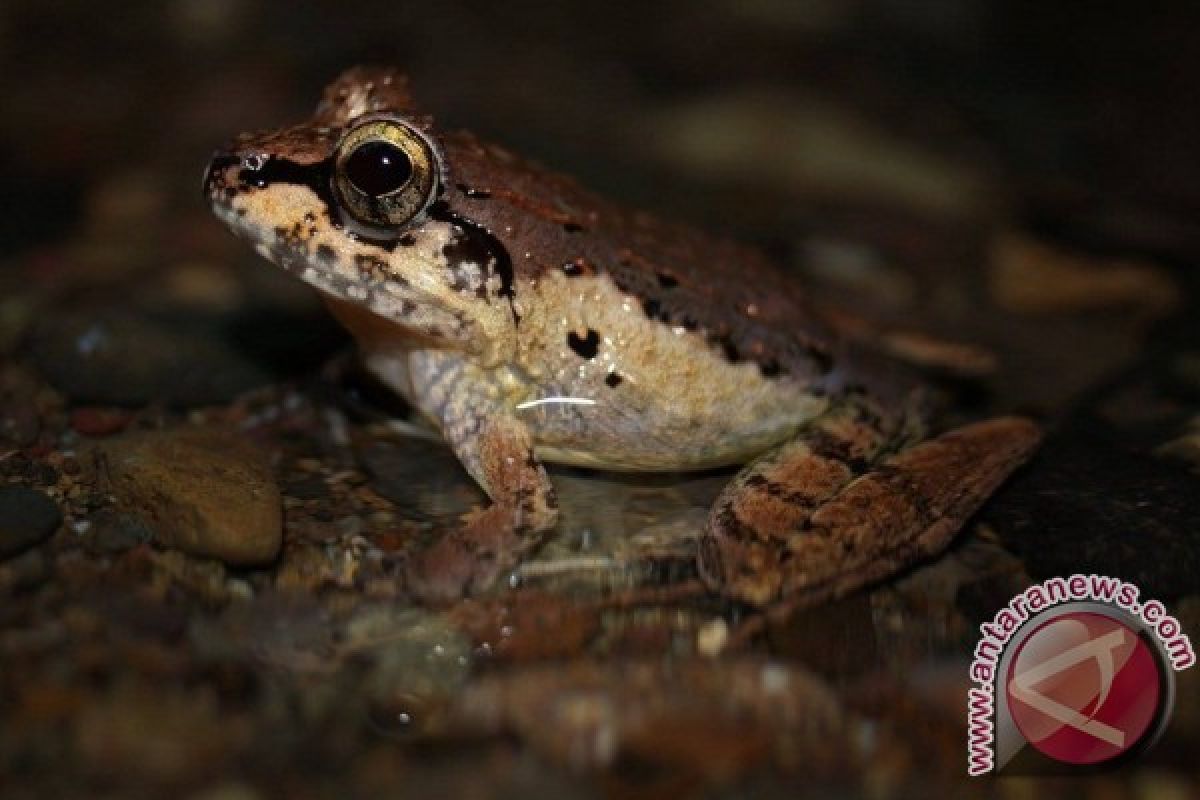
x=841, y=507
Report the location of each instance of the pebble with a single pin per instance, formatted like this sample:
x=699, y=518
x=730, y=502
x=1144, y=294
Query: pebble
x=1028, y=276
x=419, y=660
x=93, y=421
x=200, y=490
x=127, y=360
x=115, y=533
x=19, y=423
x=27, y=517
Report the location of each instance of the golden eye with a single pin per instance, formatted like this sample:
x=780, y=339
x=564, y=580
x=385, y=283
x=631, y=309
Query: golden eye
x=385, y=173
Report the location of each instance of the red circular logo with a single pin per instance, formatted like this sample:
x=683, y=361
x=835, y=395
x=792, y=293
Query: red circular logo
x=1084, y=688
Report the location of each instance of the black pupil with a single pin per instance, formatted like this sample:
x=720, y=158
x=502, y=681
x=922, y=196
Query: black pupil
x=377, y=168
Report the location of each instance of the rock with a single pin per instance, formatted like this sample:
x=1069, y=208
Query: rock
x=418, y=660
x=96, y=421
x=126, y=360
x=158, y=735
x=201, y=490
x=1088, y=505
x=27, y=516
x=1031, y=277
x=712, y=719
x=19, y=423
x=115, y=533
x=23, y=572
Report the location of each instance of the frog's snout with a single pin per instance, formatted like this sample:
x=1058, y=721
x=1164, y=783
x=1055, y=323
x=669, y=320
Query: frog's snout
x=221, y=177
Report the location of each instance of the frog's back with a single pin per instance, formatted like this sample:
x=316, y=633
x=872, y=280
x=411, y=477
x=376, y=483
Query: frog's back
x=648, y=345
x=740, y=303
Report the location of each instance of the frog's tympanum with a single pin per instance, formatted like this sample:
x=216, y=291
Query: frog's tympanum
x=532, y=321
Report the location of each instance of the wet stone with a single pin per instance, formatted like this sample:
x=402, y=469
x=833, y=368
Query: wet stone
x=418, y=660
x=717, y=719
x=200, y=490
x=23, y=571
x=1113, y=512
x=19, y=424
x=27, y=517
x=92, y=421
x=120, y=359
x=116, y=533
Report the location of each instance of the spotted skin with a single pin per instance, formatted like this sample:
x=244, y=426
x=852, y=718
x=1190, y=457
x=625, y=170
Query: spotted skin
x=532, y=321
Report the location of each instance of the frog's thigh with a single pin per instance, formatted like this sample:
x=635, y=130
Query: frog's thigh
x=498, y=452
x=907, y=507
x=745, y=552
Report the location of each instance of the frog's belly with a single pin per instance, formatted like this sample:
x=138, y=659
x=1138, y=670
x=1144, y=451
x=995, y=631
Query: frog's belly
x=664, y=415
x=645, y=436
x=651, y=461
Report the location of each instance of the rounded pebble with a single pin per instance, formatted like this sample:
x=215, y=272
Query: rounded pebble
x=200, y=490
x=27, y=516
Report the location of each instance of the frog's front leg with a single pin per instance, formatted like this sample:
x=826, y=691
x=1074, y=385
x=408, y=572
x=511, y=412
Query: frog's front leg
x=841, y=506
x=497, y=450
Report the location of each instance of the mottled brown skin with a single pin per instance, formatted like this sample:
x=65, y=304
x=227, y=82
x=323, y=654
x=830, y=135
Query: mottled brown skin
x=532, y=320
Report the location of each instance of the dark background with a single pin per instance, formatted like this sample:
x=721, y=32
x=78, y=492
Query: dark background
x=1021, y=176
x=1057, y=97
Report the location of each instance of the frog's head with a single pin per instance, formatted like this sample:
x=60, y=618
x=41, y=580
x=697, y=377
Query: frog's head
x=350, y=202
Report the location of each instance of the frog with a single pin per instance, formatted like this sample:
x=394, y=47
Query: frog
x=530, y=320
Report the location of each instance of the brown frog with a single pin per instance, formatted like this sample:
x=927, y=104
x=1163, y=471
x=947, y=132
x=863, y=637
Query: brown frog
x=531, y=320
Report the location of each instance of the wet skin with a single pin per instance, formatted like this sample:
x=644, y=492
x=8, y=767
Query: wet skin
x=531, y=320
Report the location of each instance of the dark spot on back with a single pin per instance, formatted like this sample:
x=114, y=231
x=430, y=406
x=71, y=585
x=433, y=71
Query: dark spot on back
x=667, y=281
x=769, y=368
x=584, y=347
x=572, y=227
x=407, y=240
x=612, y=380
x=326, y=254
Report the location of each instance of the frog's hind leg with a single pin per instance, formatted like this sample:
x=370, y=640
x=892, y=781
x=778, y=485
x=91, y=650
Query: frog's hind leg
x=841, y=507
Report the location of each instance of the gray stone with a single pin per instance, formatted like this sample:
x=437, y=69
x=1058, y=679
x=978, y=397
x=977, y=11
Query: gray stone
x=27, y=517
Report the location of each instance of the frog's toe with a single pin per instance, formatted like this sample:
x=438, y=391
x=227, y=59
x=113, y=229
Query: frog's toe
x=440, y=574
x=471, y=559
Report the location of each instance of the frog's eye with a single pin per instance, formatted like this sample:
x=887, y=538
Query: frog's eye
x=385, y=173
